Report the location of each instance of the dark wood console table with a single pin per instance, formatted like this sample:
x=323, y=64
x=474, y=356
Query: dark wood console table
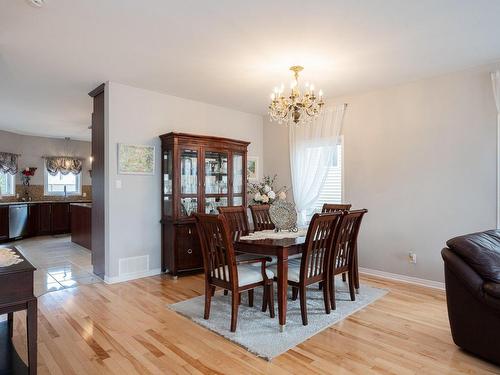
x=16, y=294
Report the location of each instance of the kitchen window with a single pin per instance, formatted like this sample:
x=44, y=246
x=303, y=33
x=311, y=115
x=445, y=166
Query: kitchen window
x=7, y=184
x=69, y=184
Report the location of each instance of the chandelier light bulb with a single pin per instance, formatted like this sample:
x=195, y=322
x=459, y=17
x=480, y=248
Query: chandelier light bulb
x=320, y=93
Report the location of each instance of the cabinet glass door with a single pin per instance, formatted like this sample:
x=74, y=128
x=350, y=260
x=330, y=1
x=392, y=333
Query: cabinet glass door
x=189, y=181
x=167, y=182
x=238, y=179
x=216, y=180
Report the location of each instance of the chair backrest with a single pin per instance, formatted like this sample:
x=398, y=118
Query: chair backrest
x=219, y=259
x=320, y=237
x=345, y=245
x=260, y=216
x=334, y=207
x=237, y=219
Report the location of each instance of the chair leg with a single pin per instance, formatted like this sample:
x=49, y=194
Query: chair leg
x=239, y=298
x=295, y=292
x=250, y=298
x=320, y=285
x=352, y=290
x=265, y=298
x=303, y=304
x=208, y=299
x=226, y=292
x=234, y=309
x=213, y=291
x=326, y=296
x=271, y=300
x=332, y=293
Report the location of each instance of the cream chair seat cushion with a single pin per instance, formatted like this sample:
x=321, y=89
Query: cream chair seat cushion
x=293, y=269
x=247, y=274
x=274, y=259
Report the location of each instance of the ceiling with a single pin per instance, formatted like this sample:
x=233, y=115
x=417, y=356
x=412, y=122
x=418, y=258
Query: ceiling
x=224, y=52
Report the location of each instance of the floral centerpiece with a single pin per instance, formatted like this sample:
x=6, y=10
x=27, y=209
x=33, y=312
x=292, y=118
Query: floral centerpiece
x=27, y=174
x=265, y=192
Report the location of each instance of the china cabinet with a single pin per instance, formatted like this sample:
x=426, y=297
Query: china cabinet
x=199, y=174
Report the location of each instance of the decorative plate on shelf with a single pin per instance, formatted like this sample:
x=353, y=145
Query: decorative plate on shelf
x=8, y=257
x=283, y=215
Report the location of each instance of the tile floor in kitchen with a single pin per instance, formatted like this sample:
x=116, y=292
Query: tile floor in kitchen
x=60, y=263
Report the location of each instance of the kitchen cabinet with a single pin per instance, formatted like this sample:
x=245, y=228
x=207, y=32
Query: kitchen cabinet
x=44, y=218
x=60, y=217
x=4, y=222
x=81, y=218
x=199, y=174
x=33, y=219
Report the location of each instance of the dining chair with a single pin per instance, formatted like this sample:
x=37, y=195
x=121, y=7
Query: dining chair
x=224, y=271
x=334, y=207
x=315, y=262
x=344, y=252
x=237, y=219
x=260, y=216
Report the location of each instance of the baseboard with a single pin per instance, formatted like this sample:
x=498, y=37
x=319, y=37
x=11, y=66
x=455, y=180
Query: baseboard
x=131, y=276
x=403, y=278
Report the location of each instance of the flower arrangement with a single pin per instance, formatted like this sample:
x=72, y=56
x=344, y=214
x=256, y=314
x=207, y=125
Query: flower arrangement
x=264, y=192
x=27, y=174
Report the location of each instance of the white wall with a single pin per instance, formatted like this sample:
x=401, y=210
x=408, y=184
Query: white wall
x=33, y=148
x=421, y=157
x=139, y=116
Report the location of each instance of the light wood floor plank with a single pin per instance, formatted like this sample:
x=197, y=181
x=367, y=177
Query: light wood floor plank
x=127, y=328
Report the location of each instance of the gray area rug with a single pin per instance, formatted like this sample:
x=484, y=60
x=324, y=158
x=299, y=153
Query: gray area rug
x=260, y=334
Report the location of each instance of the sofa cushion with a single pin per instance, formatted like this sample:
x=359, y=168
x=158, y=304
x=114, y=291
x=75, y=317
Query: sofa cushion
x=491, y=288
x=481, y=251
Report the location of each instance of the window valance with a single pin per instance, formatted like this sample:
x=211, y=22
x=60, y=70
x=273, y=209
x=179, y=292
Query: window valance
x=63, y=164
x=8, y=162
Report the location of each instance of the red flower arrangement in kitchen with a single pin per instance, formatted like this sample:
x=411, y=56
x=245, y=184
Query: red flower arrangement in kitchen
x=27, y=173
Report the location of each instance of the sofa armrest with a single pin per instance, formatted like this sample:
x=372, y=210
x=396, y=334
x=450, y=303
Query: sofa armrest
x=470, y=279
x=492, y=289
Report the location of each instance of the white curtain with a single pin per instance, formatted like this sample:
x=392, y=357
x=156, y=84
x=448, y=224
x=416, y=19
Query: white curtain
x=313, y=147
x=495, y=80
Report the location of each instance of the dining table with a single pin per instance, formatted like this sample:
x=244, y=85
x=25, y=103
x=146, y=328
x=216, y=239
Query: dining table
x=282, y=249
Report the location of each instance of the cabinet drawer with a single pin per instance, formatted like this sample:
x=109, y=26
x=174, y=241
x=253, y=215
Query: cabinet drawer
x=188, y=252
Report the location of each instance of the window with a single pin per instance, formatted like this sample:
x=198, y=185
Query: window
x=331, y=192
x=7, y=184
x=60, y=184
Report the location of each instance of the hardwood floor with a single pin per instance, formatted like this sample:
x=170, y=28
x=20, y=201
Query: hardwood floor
x=127, y=329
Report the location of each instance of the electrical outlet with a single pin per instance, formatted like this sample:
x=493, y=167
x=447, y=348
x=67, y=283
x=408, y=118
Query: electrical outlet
x=412, y=257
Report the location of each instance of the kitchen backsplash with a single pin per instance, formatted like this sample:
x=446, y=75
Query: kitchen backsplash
x=36, y=194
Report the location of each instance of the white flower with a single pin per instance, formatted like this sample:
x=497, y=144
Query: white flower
x=282, y=195
x=257, y=197
x=271, y=194
x=267, y=189
x=265, y=199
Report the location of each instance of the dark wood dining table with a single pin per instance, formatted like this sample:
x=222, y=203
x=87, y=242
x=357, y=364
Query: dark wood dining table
x=282, y=249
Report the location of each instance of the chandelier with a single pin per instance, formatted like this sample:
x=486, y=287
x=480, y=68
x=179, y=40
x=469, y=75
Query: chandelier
x=296, y=108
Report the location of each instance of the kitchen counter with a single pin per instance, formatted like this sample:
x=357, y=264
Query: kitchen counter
x=82, y=204
x=6, y=203
x=81, y=224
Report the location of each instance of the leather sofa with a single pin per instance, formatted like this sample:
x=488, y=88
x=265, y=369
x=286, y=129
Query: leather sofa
x=472, y=276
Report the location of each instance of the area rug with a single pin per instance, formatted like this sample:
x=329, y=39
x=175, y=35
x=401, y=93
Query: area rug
x=260, y=334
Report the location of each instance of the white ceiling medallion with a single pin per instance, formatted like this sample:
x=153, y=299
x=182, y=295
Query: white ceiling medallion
x=36, y=3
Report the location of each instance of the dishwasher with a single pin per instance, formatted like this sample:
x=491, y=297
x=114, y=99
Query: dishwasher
x=18, y=220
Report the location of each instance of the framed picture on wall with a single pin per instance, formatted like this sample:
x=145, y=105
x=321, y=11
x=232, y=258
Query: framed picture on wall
x=136, y=159
x=252, y=168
